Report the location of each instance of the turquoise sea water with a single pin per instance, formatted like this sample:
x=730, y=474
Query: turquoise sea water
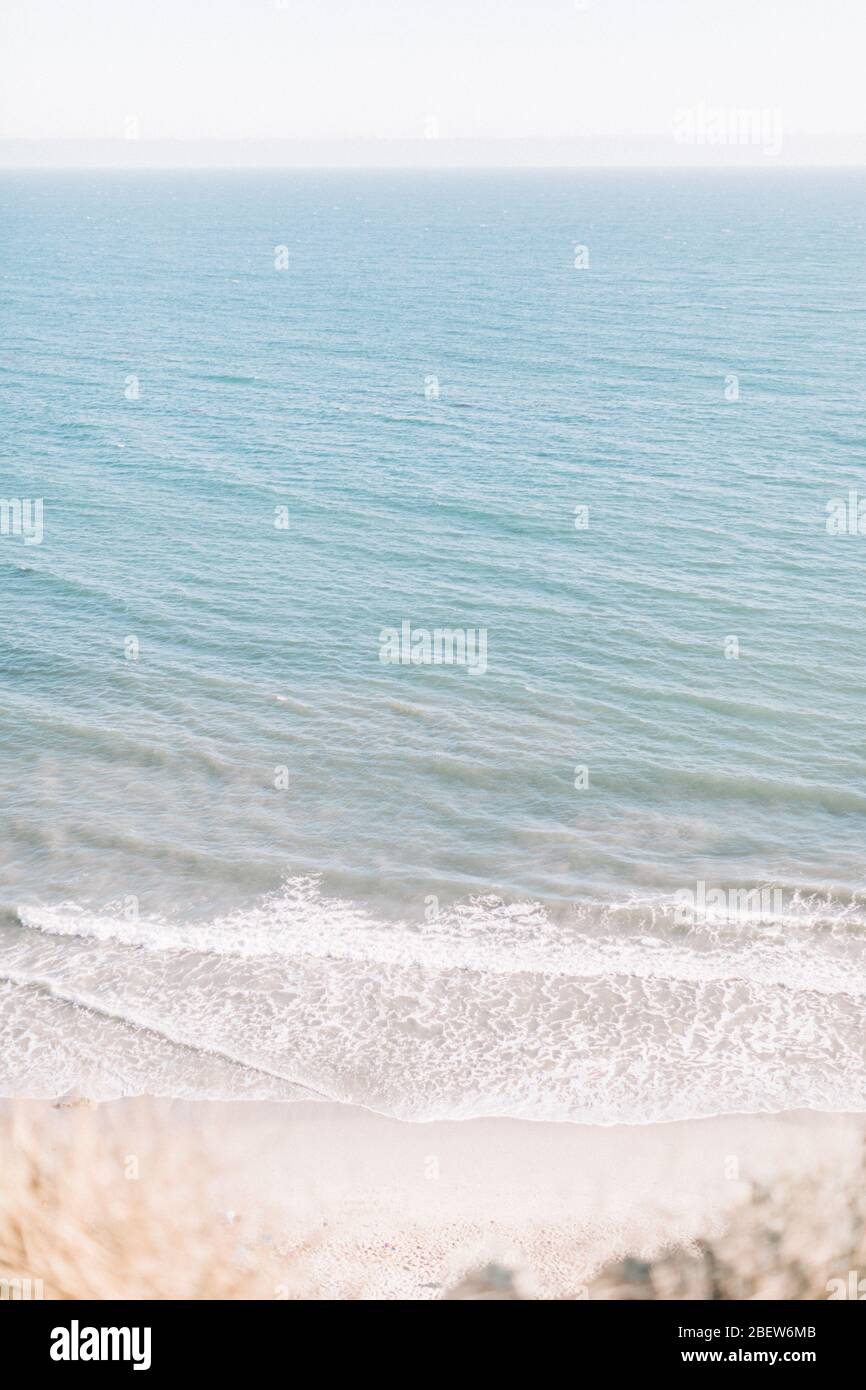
x=463, y=901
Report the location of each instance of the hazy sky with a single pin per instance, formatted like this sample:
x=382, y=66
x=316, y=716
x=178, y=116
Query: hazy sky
x=313, y=69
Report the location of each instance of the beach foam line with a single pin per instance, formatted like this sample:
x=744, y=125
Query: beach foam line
x=815, y=944
x=491, y=1009
x=144, y=1029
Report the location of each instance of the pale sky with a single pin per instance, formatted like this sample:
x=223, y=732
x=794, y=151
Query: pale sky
x=482, y=69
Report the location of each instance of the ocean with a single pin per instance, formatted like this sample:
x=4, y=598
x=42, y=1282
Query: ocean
x=432, y=651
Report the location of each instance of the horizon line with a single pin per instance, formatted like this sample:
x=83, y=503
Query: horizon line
x=656, y=151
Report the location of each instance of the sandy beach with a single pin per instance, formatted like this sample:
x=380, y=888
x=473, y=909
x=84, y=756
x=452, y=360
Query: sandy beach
x=397, y=1210
x=336, y=1202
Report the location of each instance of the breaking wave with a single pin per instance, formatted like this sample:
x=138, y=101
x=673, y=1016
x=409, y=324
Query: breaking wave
x=615, y=1013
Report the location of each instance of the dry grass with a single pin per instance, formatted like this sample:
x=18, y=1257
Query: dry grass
x=102, y=1211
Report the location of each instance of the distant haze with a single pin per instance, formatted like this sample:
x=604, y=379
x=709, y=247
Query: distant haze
x=430, y=82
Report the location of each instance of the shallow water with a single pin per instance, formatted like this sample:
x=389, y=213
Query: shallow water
x=461, y=895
